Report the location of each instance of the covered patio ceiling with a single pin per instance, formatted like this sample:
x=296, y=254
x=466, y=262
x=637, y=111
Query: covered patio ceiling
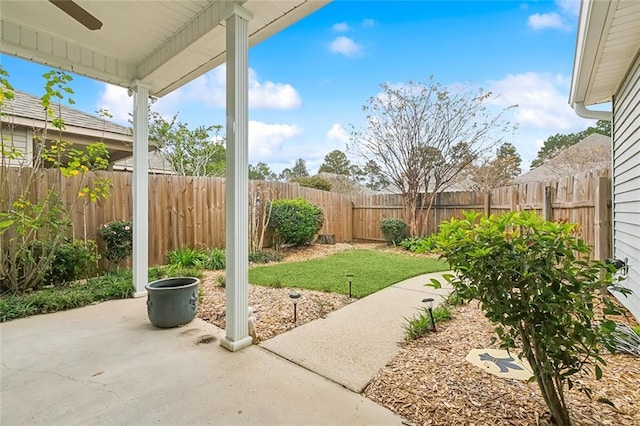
x=154, y=47
x=162, y=44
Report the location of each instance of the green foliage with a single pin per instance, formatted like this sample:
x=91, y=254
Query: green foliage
x=417, y=244
x=264, y=256
x=222, y=281
x=72, y=260
x=295, y=221
x=420, y=324
x=185, y=257
x=372, y=270
x=118, y=240
x=394, y=230
x=511, y=160
x=299, y=170
x=33, y=245
x=374, y=176
x=536, y=283
x=213, y=259
x=559, y=142
x=261, y=171
x=191, y=152
x=336, y=162
x=316, y=182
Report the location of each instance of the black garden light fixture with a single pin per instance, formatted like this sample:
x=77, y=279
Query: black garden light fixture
x=350, y=278
x=429, y=302
x=294, y=298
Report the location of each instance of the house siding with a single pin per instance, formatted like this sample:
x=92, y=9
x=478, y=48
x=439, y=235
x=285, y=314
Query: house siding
x=18, y=138
x=626, y=182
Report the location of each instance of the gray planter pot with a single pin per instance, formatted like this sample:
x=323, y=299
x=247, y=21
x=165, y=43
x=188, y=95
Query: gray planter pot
x=172, y=301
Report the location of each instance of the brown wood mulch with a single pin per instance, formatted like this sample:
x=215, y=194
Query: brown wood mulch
x=429, y=382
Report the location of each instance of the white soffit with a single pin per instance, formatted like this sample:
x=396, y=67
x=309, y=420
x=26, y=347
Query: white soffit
x=163, y=44
x=608, y=42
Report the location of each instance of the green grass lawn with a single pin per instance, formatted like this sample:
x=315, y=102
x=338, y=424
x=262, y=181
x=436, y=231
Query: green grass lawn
x=372, y=270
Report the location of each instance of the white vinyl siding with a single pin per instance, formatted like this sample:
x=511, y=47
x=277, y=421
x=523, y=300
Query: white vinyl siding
x=626, y=182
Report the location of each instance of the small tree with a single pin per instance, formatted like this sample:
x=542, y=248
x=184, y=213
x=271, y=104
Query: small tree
x=536, y=283
x=34, y=230
x=423, y=136
x=336, y=162
x=315, y=182
x=261, y=171
x=488, y=173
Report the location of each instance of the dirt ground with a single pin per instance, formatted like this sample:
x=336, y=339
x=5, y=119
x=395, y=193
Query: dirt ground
x=429, y=382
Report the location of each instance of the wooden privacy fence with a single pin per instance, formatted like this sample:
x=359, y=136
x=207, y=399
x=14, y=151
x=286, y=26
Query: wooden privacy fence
x=190, y=211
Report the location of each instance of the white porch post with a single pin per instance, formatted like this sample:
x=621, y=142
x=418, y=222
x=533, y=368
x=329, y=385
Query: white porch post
x=140, y=188
x=237, y=193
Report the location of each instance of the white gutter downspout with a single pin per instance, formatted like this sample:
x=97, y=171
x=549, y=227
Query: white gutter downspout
x=583, y=112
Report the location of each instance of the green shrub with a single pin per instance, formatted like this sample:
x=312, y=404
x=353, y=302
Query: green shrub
x=316, y=182
x=185, y=257
x=72, y=260
x=264, y=256
x=295, y=221
x=420, y=324
x=213, y=259
x=536, y=284
x=394, y=230
x=118, y=240
x=417, y=244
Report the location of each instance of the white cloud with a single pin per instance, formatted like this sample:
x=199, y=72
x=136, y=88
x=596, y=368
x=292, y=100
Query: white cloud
x=210, y=89
x=542, y=111
x=366, y=22
x=266, y=141
x=541, y=21
x=345, y=46
x=338, y=134
x=569, y=7
x=340, y=27
x=117, y=102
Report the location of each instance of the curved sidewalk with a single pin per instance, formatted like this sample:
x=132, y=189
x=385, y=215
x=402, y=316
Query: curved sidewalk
x=352, y=344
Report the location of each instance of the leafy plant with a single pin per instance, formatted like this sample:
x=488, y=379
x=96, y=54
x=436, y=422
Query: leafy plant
x=295, y=221
x=417, y=244
x=537, y=285
x=118, y=240
x=394, y=230
x=72, y=260
x=420, y=324
x=54, y=168
x=222, y=281
x=213, y=259
x=185, y=257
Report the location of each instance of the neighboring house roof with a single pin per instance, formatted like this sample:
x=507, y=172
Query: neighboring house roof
x=158, y=164
x=29, y=107
x=591, y=153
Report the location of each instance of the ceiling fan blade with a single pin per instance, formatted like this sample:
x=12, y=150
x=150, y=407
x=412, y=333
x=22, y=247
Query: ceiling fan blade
x=72, y=9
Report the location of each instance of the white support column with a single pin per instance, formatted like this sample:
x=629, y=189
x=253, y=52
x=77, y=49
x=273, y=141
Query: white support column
x=140, y=188
x=237, y=192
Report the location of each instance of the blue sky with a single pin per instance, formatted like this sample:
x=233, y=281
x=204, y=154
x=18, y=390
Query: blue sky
x=309, y=82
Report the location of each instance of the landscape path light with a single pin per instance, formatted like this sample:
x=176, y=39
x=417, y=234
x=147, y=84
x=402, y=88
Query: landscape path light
x=294, y=298
x=429, y=302
x=350, y=278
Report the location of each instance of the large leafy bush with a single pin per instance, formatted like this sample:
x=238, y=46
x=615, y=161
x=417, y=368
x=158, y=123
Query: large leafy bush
x=394, y=230
x=295, y=221
x=536, y=283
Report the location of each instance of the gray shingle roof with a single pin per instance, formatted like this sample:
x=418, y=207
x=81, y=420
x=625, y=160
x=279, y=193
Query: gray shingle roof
x=28, y=106
x=591, y=153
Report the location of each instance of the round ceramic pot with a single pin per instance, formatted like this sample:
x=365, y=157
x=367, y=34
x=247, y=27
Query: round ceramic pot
x=172, y=301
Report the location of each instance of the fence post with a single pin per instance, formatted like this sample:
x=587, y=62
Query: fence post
x=514, y=198
x=547, y=208
x=487, y=203
x=602, y=219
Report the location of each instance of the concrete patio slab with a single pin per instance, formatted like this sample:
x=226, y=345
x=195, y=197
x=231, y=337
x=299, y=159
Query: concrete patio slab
x=352, y=344
x=106, y=364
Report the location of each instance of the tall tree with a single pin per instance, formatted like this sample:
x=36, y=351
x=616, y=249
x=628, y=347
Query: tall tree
x=299, y=169
x=557, y=143
x=374, y=178
x=336, y=162
x=261, y=171
x=191, y=152
x=423, y=136
x=488, y=173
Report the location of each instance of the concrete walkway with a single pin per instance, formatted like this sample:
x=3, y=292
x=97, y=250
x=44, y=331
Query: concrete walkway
x=352, y=344
x=106, y=364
